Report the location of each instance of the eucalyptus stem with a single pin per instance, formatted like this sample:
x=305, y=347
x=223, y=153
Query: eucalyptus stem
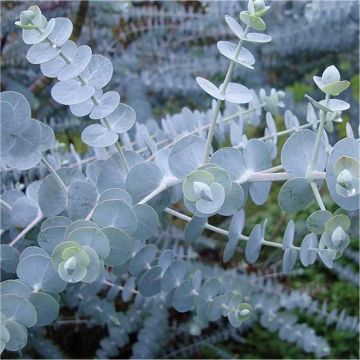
x=71, y=322
x=4, y=203
x=315, y=154
x=219, y=102
x=211, y=131
x=56, y=175
x=203, y=127
x=118, y=147
x=266, y=175
x=319, y=136
x=285, y=132
x=317, y=195
x=273, y=169
x=37, y=219
x=222, y=231
x=109, y=283
x=166, y=183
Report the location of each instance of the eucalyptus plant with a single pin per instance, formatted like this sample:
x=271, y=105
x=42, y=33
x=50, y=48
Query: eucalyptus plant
x=102, y=223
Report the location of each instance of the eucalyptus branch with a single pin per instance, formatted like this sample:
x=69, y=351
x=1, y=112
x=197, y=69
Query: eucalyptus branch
x=204, y=127
x=5, y=204
x=219, y=102
x=273, y=169
x=317, y=195
x=265, y=175
x=109, y=283
x=285, y=132
x=28, y=228
x=319, y=135
x=83, y=82
x=166, y=183
x=125, y=239
x=42, y=82
x=221, y=231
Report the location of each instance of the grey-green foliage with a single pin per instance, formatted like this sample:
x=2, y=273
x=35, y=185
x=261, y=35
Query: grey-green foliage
x=97, y=224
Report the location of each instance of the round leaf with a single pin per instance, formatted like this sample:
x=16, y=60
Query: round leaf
x=186, y=155
x=18, y=309
x=46, y=307
x=96, y=135
x=297, y=152
x=93, y=238
x=38, y=272
x=147, y=221
x=150, y=282
x=295, y=195
x=71, y=92
x=82, y=197
x=120, y=246
x=142, y=179
x=115, y=213
x=122, y=119
x=106, y=105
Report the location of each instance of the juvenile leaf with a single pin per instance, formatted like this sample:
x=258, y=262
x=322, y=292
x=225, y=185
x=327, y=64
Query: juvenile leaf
x=231, y=160
x=17, y=336
x=38, y=272
x=9, y=258
x=50, y=188
x=186, y=155
x=174, y=275
x=79, y=59
x=147, y=221
x=71, y=92
x=82, y=197
x=32, y=250
x=34, y=37
x=96, y=135
x=228, y=49
x=253, y=244
x=348, y=147
x=289, y=260
x=41, y=53
x=122, y=119
x=92, y=237
x=18, y=309
x=289, y=235
x=15, y=287
x=238, y=94
x=184, y=298
x=150, y=282
x=23, y=212
x=308, y=249
x=254, y=21
x=115, y=213
x=142, y=179
x=98, y=72
x=106, y=105
x=52, y=67
x=297, y=152
x=194, y=228
x=317, y=220
x=120, y=246
x=142, y=259
x=210, y=88
x=116, y=194
x=295, y=195
x=61, y=32
x=46, y=307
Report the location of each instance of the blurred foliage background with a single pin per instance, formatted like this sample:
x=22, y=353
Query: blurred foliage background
x=157, y=48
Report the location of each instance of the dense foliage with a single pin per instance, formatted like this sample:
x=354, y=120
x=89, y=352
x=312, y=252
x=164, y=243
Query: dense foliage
x=100, y=239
